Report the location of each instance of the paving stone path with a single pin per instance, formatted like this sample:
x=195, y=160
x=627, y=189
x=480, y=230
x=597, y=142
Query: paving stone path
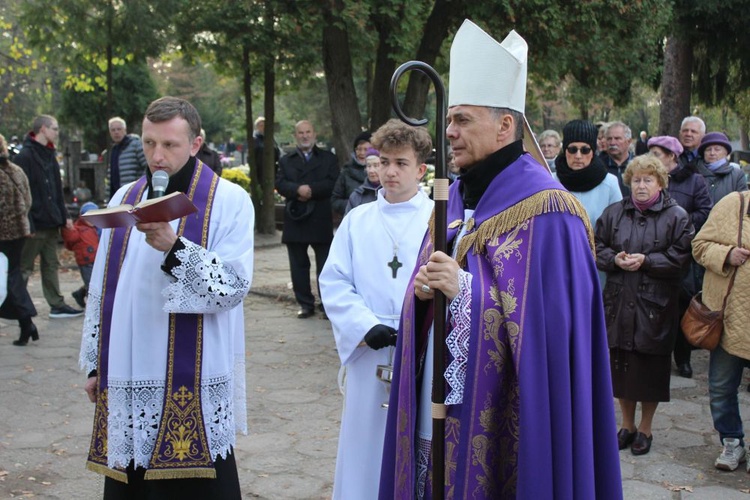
x=293, y=409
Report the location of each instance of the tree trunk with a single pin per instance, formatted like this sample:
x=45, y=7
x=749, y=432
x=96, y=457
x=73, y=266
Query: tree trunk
x=444, y=17
x=247, y=90
x=380, y=106
x=676, y=85
x=342, y=97
x=267, y=223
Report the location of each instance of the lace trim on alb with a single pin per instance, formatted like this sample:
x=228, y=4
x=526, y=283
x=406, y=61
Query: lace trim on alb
x=89, y=354
x=203, y=283
x=423, y=465
x=135, y=410
x=457, y=340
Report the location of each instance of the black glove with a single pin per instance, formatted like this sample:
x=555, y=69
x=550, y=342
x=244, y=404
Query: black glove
x=380, y=336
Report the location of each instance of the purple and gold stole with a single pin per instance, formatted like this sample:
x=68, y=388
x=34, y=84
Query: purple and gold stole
x=181, y=449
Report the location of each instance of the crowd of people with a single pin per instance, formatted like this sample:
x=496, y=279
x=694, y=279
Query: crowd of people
x=619, y=237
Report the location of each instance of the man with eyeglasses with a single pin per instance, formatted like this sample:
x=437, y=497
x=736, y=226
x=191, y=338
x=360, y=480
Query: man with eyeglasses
x=48, y=214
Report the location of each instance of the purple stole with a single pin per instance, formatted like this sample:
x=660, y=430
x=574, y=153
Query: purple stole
x=181, y=449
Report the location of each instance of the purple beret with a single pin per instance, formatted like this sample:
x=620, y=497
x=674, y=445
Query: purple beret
x=667, y=142
x=714, y=138
x=372, y=152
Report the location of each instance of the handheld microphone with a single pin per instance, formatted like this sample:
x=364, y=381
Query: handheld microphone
x=159, y=182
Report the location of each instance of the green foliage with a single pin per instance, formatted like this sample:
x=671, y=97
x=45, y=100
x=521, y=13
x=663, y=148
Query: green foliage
x=598, y=47
x=133, y=89
x=216, y=97
x=719, y=36
x=24, y=84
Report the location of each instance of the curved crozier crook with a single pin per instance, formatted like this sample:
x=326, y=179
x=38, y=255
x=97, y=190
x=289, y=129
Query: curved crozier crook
x=440, y=193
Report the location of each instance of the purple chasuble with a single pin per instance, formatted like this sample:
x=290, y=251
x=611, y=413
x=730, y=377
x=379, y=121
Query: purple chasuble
x=537, y=417
x=181, y=449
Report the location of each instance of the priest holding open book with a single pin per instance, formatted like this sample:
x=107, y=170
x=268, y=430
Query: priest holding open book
x=163, y=338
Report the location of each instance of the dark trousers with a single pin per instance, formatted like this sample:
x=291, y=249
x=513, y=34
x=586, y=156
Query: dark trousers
x=44, y=244
x=18, y=304
x=682, y=348
x=226, y=486
x=299, y=263
x=86, y=276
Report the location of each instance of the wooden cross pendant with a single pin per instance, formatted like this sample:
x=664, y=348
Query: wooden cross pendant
x=394, y=265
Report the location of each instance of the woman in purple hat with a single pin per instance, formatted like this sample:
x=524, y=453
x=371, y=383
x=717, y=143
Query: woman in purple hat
x=688, y=188
x=722, y=176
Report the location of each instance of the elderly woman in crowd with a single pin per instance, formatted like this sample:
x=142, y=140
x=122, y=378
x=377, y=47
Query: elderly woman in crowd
x=352, y=173
x=582, y=172
x=368, y=190
x=15, y=203
x=716, y=248
x=721, y=176
x=689, y=190
x=549, y=143
x=643, y=244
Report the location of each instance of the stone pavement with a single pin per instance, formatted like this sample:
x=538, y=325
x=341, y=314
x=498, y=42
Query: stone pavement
x=293, y=409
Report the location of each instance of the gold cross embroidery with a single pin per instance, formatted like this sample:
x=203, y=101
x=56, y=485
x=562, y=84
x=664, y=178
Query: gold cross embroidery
x=182, y=396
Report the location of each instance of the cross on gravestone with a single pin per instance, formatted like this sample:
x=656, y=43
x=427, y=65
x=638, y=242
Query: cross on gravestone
x=394, y=265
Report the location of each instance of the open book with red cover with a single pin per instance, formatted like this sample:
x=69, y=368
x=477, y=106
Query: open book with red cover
x=164, y=209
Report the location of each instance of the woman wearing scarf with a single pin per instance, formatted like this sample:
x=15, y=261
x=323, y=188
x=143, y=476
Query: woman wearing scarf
x=721, y=176
x=643, y=244
x=582, y=172
x=689, y=190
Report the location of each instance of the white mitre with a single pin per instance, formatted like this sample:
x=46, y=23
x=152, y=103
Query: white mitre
x=484, y=72
x=487, y=73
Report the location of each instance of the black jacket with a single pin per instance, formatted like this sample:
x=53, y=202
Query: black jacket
x=210, y=158
x=689, y=189
x=352, y=176
x=320, y=173
x=39, y=163
x=641, y=307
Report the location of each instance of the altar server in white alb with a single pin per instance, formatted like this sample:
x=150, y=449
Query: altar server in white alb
x=163, y=337
x=363, y=285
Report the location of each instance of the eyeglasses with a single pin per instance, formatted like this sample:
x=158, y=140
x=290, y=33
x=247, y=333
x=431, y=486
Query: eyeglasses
x=574, y=149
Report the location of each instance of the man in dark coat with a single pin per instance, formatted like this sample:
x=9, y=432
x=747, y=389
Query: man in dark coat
x=306, y=178
x=209, y=156
x=48, y=213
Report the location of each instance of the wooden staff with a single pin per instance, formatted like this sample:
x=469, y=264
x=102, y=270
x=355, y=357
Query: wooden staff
x=440, y=195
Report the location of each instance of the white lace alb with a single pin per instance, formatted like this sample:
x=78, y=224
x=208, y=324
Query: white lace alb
x=135, y=410
x=457, y=340
x=90, y=346
x=203, y=283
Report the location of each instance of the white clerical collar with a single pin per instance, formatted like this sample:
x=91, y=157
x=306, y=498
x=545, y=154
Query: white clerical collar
x=414, y=201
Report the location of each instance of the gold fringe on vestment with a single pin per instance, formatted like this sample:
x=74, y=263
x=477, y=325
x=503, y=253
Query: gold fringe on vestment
x=115, y=474
x=199, y=473
x=543, y=202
